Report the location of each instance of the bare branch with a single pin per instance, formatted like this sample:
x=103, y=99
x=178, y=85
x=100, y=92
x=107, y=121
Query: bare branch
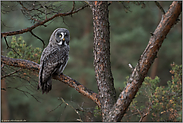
x=26, y=64
x=31, y=17
x=9, y=46
x=28, y=93
x=10, y=73
x=38, y=38
x=73, y=6
x=72, y=108
x=144, y=115
x=41, y=23
x=56, y=107
x=160, y=7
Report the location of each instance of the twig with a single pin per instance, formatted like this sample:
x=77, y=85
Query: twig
x=45, y=10
x=41, y=23
x=159, y=6
x=34, y=19
x=28, y=93
x=73, y=6
x=56, y=107
x=38, y=38
x=144, y=115
x=6, y=43
x=10, y=47
x=72, y=108
x=10, y=73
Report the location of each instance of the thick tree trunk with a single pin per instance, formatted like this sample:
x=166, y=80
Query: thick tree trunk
x=4, y=102
x=101, y=52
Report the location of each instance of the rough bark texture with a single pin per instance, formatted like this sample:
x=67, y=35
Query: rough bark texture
x=26, y=64
x=101, y=52
x=145, y=61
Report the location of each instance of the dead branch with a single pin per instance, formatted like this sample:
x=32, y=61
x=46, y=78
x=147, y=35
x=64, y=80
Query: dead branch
x=10, y=47
x=160, y=7
x=10, y=73
x=67, y=104
x=38, y=38
x=145, y=61
x=26, y=64
x=24, y=92
x=4, y=34
x=31, y=17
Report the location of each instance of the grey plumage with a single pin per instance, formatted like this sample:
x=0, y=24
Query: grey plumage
x=54, y=58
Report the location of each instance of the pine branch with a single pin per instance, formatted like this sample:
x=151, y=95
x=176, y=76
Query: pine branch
x=26, y=64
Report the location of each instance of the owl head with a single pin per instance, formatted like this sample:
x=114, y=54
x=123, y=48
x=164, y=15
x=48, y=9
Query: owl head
x=60, y=36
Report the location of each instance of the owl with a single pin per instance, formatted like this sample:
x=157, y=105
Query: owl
x=54, y=58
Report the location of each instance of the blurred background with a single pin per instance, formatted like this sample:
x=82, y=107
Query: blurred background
x=130, y=27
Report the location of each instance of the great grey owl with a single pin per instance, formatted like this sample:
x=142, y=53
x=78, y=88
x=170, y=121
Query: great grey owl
x=54, y=58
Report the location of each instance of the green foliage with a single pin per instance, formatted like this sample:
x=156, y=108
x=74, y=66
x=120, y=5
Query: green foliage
x=97, y=111
x=160, y=103
x=22, y=51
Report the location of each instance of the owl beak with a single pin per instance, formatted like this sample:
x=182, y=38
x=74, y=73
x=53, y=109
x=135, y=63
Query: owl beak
x=63, y=39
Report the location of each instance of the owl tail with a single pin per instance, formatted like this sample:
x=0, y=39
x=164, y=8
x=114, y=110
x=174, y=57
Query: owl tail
x=45, y=86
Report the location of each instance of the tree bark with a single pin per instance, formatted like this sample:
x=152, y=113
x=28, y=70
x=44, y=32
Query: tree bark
x=101, y=52
x=4, y=102
x=145, y=61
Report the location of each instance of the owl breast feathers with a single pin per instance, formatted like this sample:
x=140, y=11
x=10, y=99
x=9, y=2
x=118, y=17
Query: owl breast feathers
x=54, y=58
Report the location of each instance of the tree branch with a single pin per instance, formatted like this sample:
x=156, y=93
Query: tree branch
x=9, y=46
x=160, y=7
x=26, y=64
x=38, y=38
x=145, y=61
x=10, y=73
x=24, y=8
x=3, y=34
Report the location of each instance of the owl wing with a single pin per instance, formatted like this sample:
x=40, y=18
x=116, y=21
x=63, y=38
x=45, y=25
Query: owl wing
x=53, y=61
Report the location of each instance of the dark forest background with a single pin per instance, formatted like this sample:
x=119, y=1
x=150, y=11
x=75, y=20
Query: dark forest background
x=130, y=28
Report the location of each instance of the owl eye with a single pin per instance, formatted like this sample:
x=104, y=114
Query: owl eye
x=60, y=36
